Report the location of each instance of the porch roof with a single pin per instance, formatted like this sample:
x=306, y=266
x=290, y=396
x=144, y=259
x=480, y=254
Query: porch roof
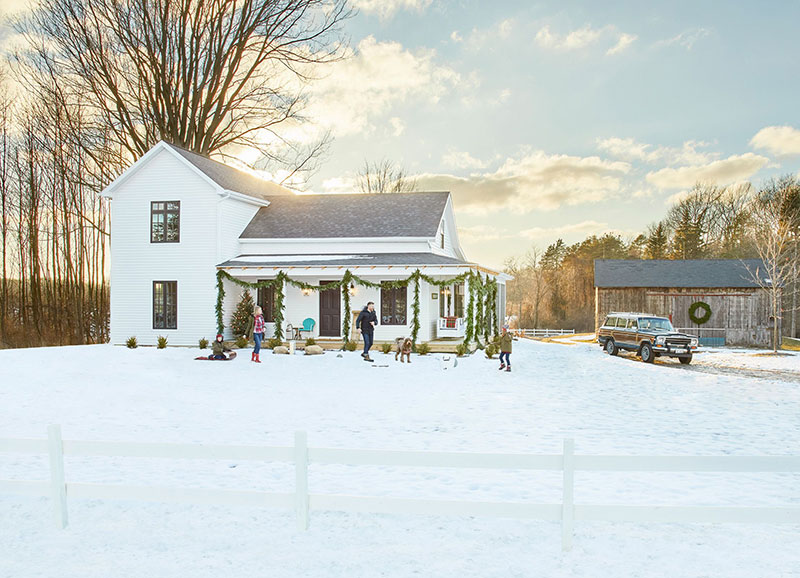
x=362, y=260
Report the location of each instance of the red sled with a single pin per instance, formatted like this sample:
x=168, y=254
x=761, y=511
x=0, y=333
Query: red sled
x=231, y=355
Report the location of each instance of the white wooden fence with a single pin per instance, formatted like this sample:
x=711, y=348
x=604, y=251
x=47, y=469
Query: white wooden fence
x=567, y=512
x=534, y=333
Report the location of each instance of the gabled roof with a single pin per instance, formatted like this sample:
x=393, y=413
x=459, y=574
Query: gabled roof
x=352, y=215
x=230, y=178
x=695, y=273
x=349, y=260
x=227, y=178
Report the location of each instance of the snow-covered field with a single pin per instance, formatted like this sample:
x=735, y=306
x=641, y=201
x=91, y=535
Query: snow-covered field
x=608, y=405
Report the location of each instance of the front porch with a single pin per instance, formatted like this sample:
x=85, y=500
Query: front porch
x=446, y=345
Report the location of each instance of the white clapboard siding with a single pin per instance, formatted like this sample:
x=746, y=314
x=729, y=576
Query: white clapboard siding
x=136, y=262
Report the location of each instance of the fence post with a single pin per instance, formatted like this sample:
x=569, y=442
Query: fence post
x=57, y=484
x=568, y=500
x=301, y=479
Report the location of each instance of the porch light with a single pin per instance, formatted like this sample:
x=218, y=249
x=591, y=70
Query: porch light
x=352, y=288
x=306, y=291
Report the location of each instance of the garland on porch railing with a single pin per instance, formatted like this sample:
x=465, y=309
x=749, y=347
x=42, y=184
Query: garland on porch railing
x=344, y=285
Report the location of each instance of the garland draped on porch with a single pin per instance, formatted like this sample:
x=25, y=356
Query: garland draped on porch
x=481, y=311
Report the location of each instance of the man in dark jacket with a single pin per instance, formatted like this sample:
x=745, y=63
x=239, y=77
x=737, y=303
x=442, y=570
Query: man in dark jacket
x=365, y=323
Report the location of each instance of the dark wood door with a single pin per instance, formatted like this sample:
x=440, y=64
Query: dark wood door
x=330, y=311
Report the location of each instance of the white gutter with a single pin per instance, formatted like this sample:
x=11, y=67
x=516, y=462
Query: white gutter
x=333, y=240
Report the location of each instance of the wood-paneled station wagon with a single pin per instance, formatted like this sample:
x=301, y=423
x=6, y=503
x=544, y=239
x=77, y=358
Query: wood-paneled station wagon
x=650, y=336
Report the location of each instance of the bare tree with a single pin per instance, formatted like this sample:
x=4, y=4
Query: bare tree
x=384, y=177
x=776, y=220
x=205, y=75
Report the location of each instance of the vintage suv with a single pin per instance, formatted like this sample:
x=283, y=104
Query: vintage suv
x=650, y=336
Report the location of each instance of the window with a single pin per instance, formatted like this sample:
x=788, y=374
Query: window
x=165, y=304
x=451, y=301
x=165, y=221
x=266, y=300
x=393, y=305
x=632, y=324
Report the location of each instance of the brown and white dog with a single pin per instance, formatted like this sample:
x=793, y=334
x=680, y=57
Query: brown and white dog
x=403, y=349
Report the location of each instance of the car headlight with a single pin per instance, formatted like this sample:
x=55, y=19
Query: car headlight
x=660, y=340
x=694, y=342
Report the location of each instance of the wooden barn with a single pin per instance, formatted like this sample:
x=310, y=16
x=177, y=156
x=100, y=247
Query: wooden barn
x=739, y=307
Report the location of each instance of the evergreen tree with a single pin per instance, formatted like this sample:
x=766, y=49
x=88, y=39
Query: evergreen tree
x=240, y=320
x=657, y=242
x=687, y=243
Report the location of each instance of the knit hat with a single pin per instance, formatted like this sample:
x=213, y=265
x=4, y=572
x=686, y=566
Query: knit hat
x=219, y=335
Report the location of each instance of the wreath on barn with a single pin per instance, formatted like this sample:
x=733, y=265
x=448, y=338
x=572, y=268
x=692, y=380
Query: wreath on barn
x=703, y=317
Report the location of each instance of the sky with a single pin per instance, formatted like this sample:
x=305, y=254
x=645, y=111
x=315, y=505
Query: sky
x=552, y=120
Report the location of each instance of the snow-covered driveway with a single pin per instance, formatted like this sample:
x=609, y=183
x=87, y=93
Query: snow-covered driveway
x=608, y=405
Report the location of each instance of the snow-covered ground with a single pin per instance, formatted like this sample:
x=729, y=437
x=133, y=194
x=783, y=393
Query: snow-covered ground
x=608, y=405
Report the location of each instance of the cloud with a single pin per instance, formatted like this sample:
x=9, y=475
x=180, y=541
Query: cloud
x=625, y=40
x=386, y=8
x=481, y=37
x=687, y=38
x=631, y=150
x=461, y=160
x=779, y=140
x=536, y=181
x=365, y=86
x=398, y=126
x=734, y=168
x=582, y=37
x=455, y=36
x=583, y=228
x=482, y=233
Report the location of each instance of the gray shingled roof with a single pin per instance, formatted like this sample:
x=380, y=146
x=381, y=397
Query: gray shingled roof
x=232, y=179
x=351, y=215
x=697, y=273
x=359, y=260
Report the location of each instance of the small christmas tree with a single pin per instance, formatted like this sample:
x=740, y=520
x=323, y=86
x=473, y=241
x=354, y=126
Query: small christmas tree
x=240, y=320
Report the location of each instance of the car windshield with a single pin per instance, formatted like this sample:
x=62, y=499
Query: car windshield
x=658, y=323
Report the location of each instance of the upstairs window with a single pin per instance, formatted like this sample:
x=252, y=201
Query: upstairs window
x=165, y=221
x=165, y=304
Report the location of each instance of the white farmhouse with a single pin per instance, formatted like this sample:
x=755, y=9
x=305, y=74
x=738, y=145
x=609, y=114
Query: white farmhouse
x=177, y=218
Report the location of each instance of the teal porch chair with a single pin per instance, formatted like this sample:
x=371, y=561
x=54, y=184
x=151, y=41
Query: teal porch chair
x=308, y=325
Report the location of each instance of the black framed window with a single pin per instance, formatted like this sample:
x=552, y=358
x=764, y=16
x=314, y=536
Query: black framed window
x=165, y=221
x=266, y=300
x=394, y=305
x=165, y=304
x=458, y=300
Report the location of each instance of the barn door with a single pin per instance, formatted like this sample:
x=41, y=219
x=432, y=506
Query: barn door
x=330, y=310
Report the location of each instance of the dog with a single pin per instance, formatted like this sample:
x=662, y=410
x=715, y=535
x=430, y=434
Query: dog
x=403, y=345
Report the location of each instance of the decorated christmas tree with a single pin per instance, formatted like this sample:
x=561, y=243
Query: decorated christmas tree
x=240, y=319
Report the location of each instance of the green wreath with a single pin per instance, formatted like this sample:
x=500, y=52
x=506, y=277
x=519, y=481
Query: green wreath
x=704, y=317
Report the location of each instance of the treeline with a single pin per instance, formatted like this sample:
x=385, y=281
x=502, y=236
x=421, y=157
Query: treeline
x=53, y=226
x=554, y=288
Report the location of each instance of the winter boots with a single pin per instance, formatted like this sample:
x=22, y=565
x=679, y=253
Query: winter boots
x=254, y=357
x=502, y=366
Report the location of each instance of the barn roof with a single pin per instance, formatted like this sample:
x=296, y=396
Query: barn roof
x=696, y=273
x=350, y=215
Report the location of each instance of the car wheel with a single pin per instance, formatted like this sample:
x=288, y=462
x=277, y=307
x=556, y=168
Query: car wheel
x=647, y=353
x=611, y=347
x=686, y=360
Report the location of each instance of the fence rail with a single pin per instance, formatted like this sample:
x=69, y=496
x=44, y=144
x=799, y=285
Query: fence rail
x=567, y=512
x=544, y=332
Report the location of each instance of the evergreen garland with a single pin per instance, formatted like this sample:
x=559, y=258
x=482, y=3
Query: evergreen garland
x=487, y=311
x=415, y=311
x=282, y=279
x=470, y=332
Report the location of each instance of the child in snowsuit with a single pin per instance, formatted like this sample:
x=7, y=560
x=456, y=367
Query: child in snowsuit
x=218, y=348
x=505, y=349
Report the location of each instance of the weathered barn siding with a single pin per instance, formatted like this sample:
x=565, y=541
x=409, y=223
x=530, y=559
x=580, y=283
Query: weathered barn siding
x=740, y=315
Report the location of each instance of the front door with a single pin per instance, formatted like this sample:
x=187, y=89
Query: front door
x=330, y=311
